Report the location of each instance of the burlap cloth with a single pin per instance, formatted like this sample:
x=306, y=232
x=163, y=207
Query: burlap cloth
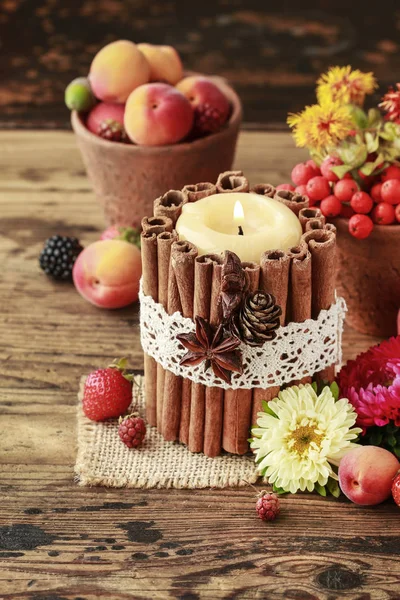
x=104, y=460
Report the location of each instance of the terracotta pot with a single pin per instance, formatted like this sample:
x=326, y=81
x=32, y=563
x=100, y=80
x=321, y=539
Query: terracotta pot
x=369, y=278
x=128, y=178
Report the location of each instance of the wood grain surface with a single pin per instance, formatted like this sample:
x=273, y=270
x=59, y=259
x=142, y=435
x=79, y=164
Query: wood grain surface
x=271, y=52
x=62, y=542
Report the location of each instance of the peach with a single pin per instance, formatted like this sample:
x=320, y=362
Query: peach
x=165, y=63
x=107, y=273
x=116, y=70
x=103, y=111
x=157, y=114
x=200, y=90
x=366, y=473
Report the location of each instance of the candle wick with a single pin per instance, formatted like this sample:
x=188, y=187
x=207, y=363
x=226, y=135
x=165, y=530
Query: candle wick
x=240, y=230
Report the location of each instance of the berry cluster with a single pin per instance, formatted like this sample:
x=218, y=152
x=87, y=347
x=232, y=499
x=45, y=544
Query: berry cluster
x=368, y=201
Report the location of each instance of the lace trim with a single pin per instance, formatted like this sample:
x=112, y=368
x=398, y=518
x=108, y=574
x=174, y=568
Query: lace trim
x=299, y=349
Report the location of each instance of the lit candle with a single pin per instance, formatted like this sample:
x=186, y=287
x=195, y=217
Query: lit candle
x=247, y=224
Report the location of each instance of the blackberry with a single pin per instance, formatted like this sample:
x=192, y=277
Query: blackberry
x=58, y=256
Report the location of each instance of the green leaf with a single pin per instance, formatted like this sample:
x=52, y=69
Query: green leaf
x=354, y=155
x=359, y=117
x=341, y=170
x=374, y=117
x=391, y=440
x=279, y=490
x=391, y=427
x=268, y=410
x=375, y=438
x=314, y=386
x=372, y=142
x=333, y=487
x=320, y=489
x=334, y=390
x=397, y=451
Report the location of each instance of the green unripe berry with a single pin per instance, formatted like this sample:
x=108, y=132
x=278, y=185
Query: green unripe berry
x=79, y=96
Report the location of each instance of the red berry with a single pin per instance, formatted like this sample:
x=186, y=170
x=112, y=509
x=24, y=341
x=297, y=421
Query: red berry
x=318, y=188
x=313, y=164
x=376, y=192
x=360, y=226
x=267, y=506
x=107, y=394
x=361, y=202
x=396, y=489
x=347, y=212
x=383, y=214
x=344, y=189
x=390, y=191
x=301, y=173
x=285, y=186
x=326, y=166
x=132, y=430
x=301, y=189
x=392, y=172
x=331, y=206
x=397, y=212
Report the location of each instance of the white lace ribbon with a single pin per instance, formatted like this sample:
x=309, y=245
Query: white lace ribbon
x=299, y=349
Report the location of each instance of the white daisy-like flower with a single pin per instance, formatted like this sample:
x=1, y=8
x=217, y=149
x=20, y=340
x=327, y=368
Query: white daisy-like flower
x=302, y=436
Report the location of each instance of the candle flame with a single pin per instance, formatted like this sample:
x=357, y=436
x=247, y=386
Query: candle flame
x=238, y=212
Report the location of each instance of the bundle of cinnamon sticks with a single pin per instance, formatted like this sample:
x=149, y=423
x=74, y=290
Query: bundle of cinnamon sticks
x=302, y=280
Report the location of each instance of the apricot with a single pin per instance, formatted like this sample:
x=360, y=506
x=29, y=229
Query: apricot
x=157, y=114
x=165, y=63
x=116, y=70
x=200, y=91
x=366, y=473
x=107, y=273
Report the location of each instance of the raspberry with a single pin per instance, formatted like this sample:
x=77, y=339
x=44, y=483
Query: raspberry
x=344, y=189
x=390, y=191
x=383, y=214
x=326, y=166
x=397, y=212
x=396, y=489
x=207, y=119
x=301, y=173
x=313, y=164
x=285, y=186
x=361, y=202
x=331, y=206
x=132, y=430
x=301, y=189
x=360, y=226
x=392, y=172
x=267, y=506
x=376, y=192
x=318, y=188
x=59, y=255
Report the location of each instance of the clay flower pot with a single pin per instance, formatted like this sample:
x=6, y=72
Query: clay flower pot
x=369, y=278
x=128, y=178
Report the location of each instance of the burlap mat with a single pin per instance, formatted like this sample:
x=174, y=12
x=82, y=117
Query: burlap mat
x=104, y=460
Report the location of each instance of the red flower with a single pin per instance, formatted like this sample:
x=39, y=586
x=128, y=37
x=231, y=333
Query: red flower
x=391, y=104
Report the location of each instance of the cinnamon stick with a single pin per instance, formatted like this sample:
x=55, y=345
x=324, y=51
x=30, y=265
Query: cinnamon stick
x=306, y=214
x=199, y=190
x=274, y=279
x=331, y=227
x=183, y=255
x=232, y=181
x=156, y=224
x=214, y=400
x=192, y=423
x=296, y=202
x=264, y=189
x=238, y=403
x=164, y=243
x=150, y=288
x=322, y=246
x=317, y=223
x=170, y=204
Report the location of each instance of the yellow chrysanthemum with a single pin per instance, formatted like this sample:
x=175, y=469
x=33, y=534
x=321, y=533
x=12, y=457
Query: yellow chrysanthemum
x=303, y=436
x=321, y=125
x=341, y=84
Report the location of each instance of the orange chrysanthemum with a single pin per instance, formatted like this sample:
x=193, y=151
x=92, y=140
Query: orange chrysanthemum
x=341, y=84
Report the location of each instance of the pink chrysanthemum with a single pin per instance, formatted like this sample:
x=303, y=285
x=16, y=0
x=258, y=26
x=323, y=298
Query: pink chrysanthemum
x=372, y=384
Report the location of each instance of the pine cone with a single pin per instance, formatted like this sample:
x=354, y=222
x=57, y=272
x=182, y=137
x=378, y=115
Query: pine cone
x=258, y=319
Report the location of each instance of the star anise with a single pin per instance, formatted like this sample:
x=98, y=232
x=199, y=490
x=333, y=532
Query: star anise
x=233, y=285
x=215, y=347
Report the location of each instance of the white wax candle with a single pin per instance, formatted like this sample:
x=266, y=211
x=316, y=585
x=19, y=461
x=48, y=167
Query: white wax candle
x=212, y=224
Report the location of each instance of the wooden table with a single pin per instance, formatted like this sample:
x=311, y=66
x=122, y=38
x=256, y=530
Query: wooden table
x=59, y=541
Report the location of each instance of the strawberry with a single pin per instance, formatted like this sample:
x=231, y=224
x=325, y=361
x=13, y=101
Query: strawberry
x=108, y=392
x=396, y=489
